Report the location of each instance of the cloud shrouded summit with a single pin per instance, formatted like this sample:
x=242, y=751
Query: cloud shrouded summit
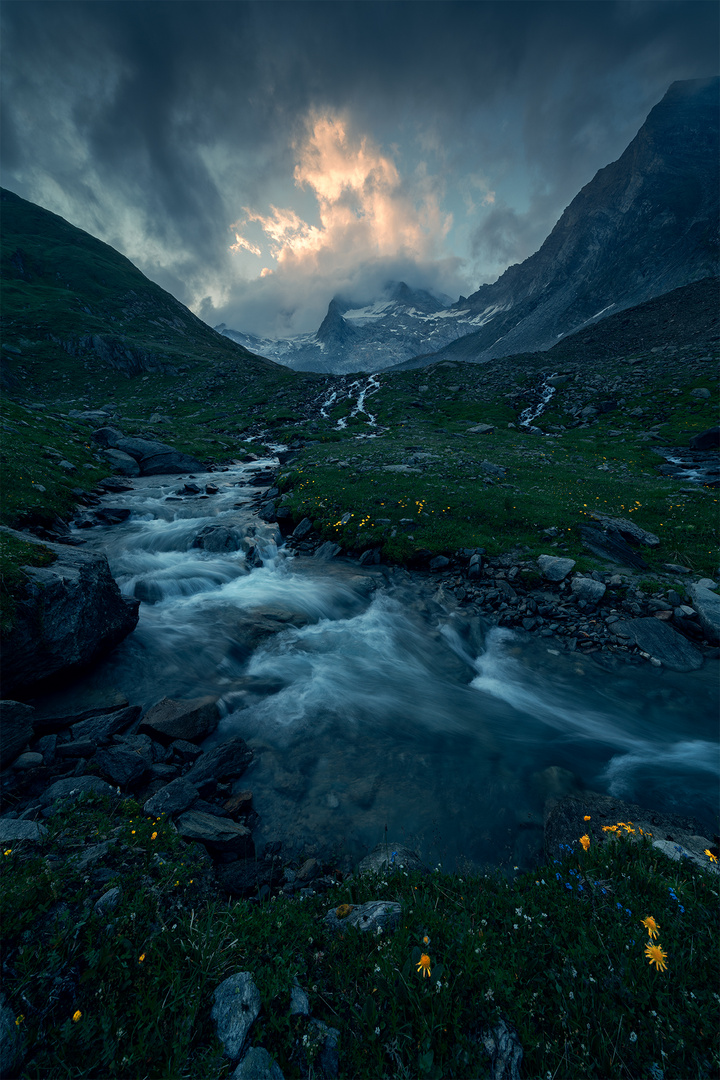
x=257, y=158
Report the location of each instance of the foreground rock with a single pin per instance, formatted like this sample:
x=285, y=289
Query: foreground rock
x=153, y=458
x=69, y=614
x=190, y=720
x=662, y=643
x=707, y=605
x=236, y=1008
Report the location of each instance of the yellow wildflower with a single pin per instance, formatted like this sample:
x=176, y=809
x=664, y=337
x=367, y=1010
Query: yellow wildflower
x=154, y=836
x=656, y=956
x=710, y=855
x=76, y=1016
x=141, y=957
x=425, y=964
x=651, y=926
x=585, y=841
x=426, y=940
x=587, y=818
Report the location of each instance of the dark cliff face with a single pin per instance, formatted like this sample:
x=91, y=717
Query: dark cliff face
x=645, y=224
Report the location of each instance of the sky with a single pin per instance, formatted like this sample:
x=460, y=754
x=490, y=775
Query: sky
x=257, y=158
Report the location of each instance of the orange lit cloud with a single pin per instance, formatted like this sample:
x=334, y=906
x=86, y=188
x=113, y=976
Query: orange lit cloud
x=364, y=207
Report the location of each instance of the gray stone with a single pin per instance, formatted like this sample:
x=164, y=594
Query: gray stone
x=374, y=915
x=700, y=392
x=299, y=1002
x=12, y=1041
x=389, y=857
x=191, y=721
x=12, y=829
x=661, y=642
x=120, y=764
x=67, y=616
x=692, y=848
x=157, y=458
x=47, y=746
x=173, y=799
x=328, y=1058
x=16, y=729
x=481, y=429
x=506, y=1053
x=236, y=1008
x=554, y=568
x=121, y=462
x=226, y=762
x=73, y=786
x=608, y=543
x=707, y=605
x=79, y=748
x=327, y=551
x=29, y=760
x=220, y=835
x=218, y=539
x=491, y=469
x=439, y=563
x=257, y=1065
x=629, y=530
x=108, y=901
x=102, y=727
x=267, y=512
x=108, y=436
x=301, y=531
x=587, y=589
x=184, y=751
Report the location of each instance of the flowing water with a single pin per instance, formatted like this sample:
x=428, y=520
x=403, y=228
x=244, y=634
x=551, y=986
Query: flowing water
x=370, y=706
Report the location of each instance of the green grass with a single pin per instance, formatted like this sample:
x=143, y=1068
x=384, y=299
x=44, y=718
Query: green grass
x=559, y=953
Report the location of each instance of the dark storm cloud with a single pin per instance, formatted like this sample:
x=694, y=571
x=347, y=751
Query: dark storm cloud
x=153, y=124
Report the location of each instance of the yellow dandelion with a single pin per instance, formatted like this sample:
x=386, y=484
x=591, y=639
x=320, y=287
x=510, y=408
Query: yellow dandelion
x=154, y=836
x=426, y=940
x=713, y=858
x=651, y=926
x=424, y=965
x=656, y=956
x=585, y=841
x=609, y=828
x=587, y=818
x=76, y=1016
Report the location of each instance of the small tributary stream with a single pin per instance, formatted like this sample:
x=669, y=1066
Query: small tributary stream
x=374, y=707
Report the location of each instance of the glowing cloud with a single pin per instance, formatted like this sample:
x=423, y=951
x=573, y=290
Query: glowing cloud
x=364, y=208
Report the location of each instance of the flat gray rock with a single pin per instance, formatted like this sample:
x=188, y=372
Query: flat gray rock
x=11, y=830
x=218, y=834
x=102, y=727
x=226, y=762
x=587, y=589
x=554, y=568
x=374, y=915
x=120, y=764
x=236, y=1008
x=191, y=720
x=73, y=786
x=707, y=605
x=661, y=642
x=173, y=799
x=389, y=857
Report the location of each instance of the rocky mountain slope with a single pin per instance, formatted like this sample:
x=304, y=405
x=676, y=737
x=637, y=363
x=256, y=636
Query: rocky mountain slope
x=643, y=226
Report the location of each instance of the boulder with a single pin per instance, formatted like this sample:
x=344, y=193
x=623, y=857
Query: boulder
x=157, y=458
x=587, y=589
x=29, y=760
x=707, y=605
x=191, y=721
x=73, y=786
x=629, y=530
x=706, y=440
x=554, y=568
x=173, y=799
x=16, y=729
x=388, y=857
x=102, y=727
x=108, y=436
x=327, y=551
x=661, y=642
x=219, y=835
x=257, y=1065
x=218, y=539
x=67, y=616
x=608, y=543
x=506, y=1053
x=13, y=830
x=236, y=1007
x=481, y=429
x=122, y=463
x=120, y=764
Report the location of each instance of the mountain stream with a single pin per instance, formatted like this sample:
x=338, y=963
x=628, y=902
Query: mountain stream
x=374, y=710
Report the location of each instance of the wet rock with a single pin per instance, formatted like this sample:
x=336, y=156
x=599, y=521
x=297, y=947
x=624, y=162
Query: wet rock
x=239, y=803
x=102, y=727
x=28, y=760
x=554, y=568
x=236, y=1008
x=191, y=721
x=157, y=458
x=327, y=551
x=374, y=915
x=267, y=512
x=73, y=786
x=121, y=765
x=506, y=1053
x=219, y=835
x=69, y=707
x=257, y=1065
x=112, y=515
x=67, y=616
x=246, y=877
x=16, y=729
x=184, y=752
x=122, y=463
x=661, y=642
x=587, y=589
x=303, y=529
x=177, y=796
x=218, y=539
x=707, y=605
x=77, y=749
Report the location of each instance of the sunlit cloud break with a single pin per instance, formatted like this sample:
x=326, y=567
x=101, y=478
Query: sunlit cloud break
x=364, y=207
